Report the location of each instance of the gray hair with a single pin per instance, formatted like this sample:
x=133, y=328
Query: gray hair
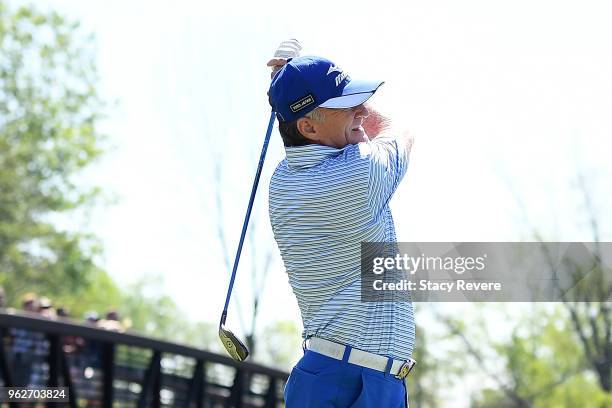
x=317, y=115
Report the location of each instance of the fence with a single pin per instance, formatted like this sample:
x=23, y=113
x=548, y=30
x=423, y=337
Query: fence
x=107, y=369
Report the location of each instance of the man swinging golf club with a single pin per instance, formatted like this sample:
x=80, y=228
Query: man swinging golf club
x=328, y=195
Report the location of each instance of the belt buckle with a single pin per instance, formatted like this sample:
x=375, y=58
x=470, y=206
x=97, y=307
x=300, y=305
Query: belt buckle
x=405, y=369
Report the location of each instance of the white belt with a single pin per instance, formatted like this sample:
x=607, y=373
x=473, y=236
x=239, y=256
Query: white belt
x=399, y=368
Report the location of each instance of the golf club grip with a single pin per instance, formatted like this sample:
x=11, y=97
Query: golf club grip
x=262, y=158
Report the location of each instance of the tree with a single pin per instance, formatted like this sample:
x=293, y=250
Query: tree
x=589, y=307
x=49, y=110
x=588, y=302
x=429, y=374
x=259, y=268
x=152, y=313
x=539, y=365
x=282, y=347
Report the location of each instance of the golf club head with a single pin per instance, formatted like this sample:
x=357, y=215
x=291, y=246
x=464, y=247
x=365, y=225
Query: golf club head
x=236, y=348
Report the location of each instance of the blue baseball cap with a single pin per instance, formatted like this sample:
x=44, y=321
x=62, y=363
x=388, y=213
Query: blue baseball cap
x=306, y=83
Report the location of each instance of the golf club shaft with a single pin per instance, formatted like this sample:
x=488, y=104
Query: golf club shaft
x=248, y=215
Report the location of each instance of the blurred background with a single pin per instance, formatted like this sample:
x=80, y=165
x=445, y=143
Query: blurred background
x=130, y=133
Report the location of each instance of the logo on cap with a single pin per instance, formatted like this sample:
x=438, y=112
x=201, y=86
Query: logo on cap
x=341, y=74
x=333, y=68
x=302, y=103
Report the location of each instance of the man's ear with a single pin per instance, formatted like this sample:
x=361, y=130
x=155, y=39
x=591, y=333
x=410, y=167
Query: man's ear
x=306, y=128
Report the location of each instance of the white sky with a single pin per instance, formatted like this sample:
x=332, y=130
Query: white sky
x=500, y=96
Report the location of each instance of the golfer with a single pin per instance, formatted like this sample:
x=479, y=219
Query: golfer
x=328, y=195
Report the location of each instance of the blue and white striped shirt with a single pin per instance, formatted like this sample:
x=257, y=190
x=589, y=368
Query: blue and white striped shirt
x=323, y=203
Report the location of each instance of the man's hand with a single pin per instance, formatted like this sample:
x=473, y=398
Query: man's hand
x=375, y=123
x=286, y=50
x=276, y=64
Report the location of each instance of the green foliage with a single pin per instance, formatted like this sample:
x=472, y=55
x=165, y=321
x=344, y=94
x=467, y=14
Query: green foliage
x=281, y=345
x=49, y=110
x=543, y=366
x=101, y=295
x=152, y=313
x=49, y=114
x=579, y=391
x=429, y=374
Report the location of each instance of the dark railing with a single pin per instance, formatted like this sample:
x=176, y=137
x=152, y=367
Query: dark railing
x=108, y=369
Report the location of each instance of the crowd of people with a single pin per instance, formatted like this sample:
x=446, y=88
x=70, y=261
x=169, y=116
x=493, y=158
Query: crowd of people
x=27, y=351
x=43, y=306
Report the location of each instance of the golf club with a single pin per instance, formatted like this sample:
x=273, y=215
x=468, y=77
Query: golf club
x=234, y=346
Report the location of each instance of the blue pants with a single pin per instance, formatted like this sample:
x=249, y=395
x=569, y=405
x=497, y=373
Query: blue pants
x=318, y=381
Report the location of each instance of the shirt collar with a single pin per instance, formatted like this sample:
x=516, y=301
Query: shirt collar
x=309, y=155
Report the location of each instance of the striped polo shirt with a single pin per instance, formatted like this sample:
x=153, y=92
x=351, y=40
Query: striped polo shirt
x=323, y=203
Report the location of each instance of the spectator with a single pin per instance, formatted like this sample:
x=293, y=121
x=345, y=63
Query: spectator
x=45, y=308
x=29, y=350
x=91, y=350
x=63, y=312
x=112, y=322
x=92, y=318
x=29, y=302
x=71, y=344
